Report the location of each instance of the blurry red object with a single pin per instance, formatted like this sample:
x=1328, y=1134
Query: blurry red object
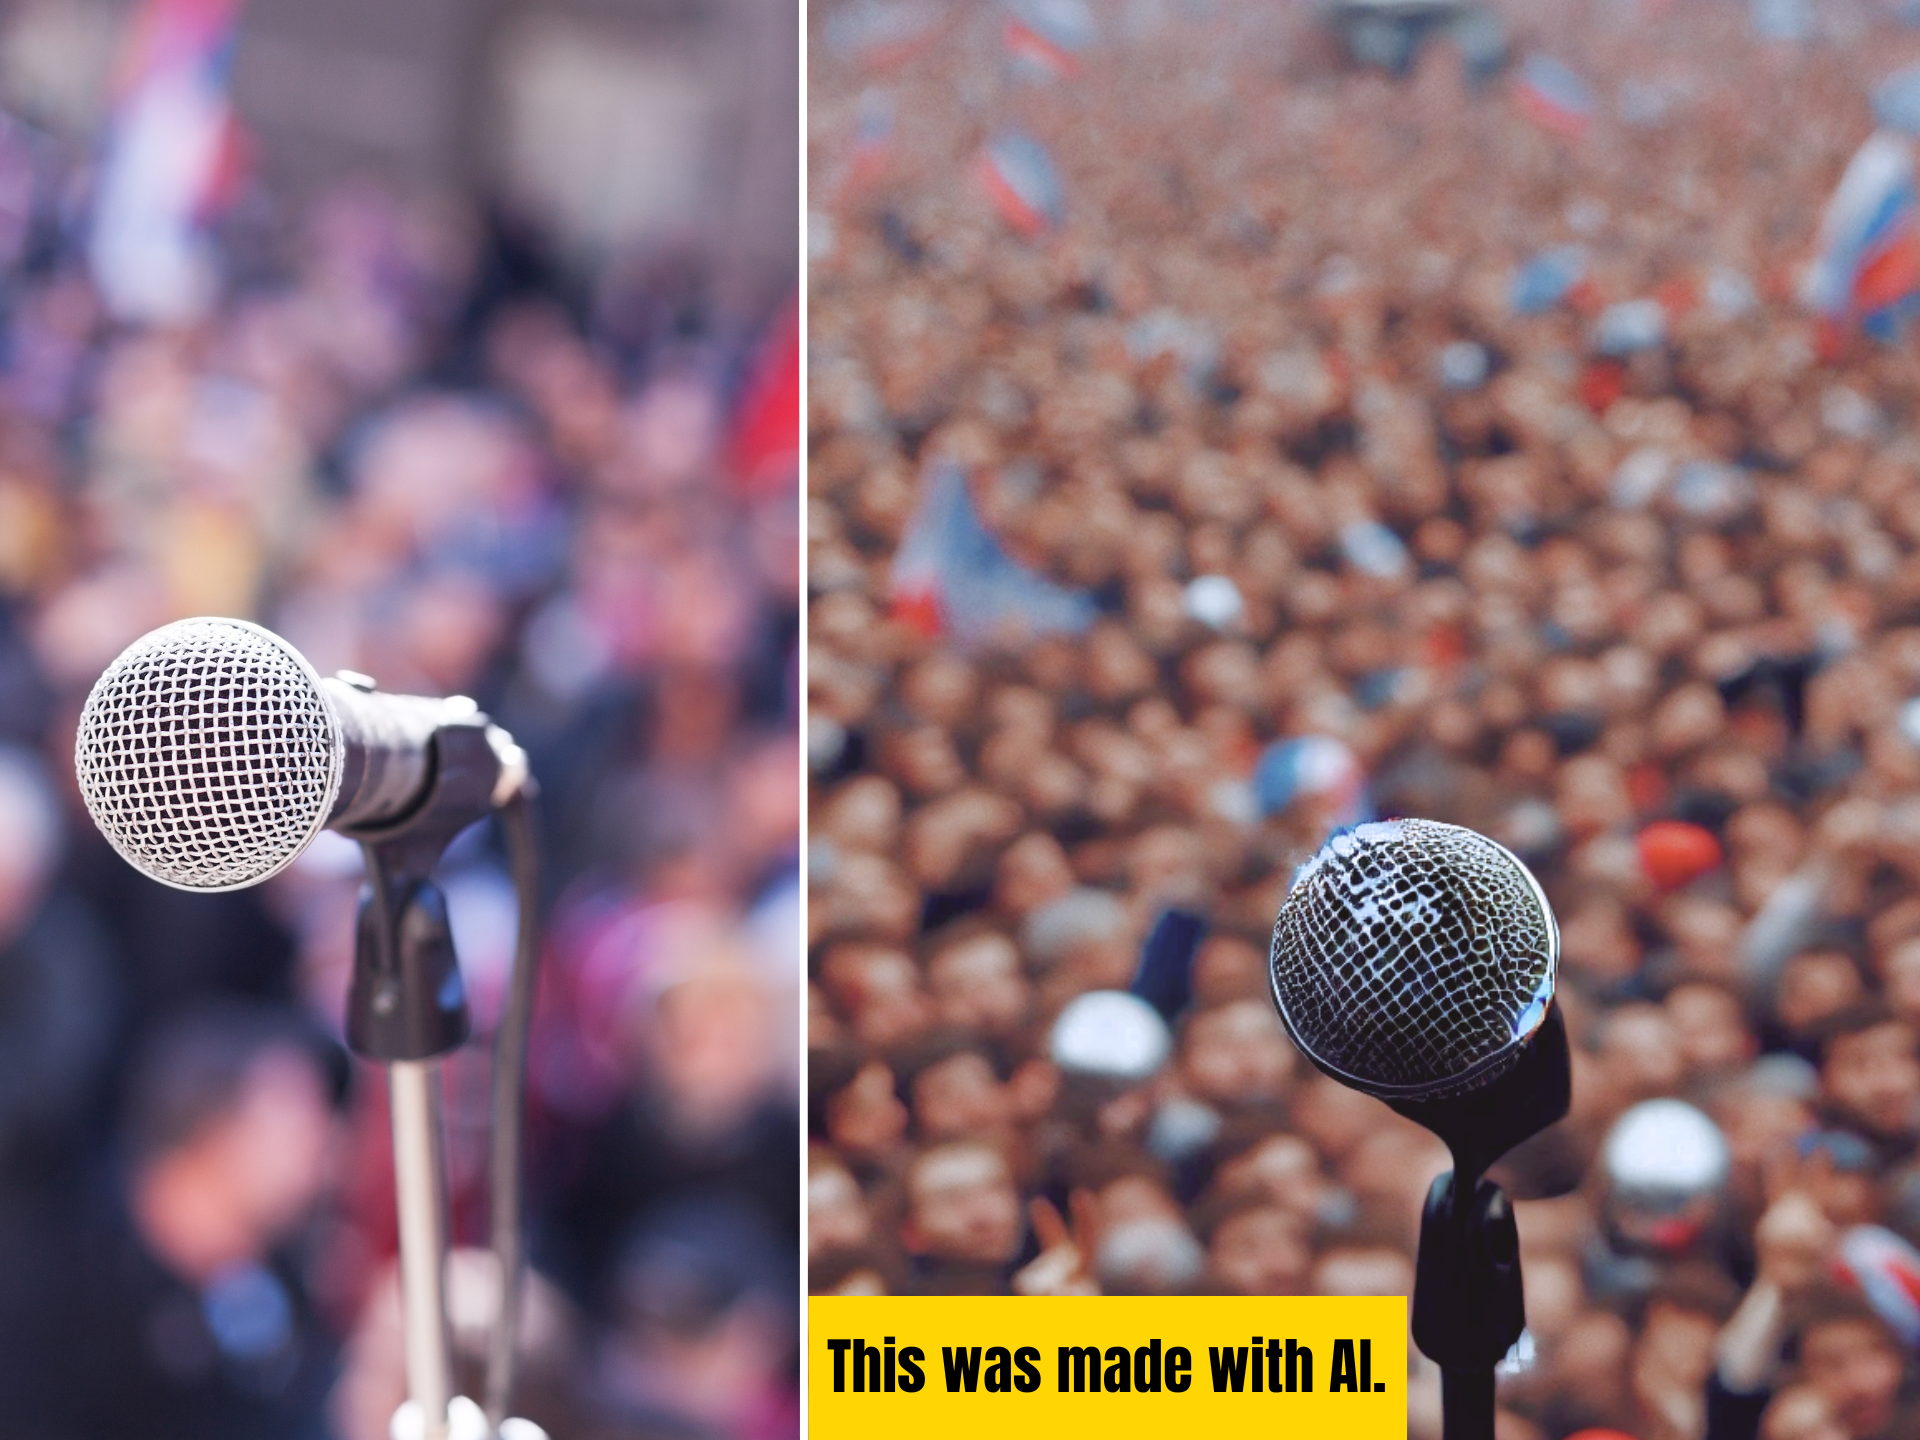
x=1677, y=296
x=766, y=439
x=1675, y=852
x=919, y=611
x=1444, y=647
x=1890, y=276
x=1646, y=787
x=1602, y=383
x=1831, y=341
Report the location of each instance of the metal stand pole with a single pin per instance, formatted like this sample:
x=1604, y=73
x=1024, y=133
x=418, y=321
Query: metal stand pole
x=420, y=1186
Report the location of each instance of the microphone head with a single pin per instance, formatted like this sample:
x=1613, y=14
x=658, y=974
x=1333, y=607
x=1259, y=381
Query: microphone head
x=1414, y=960
x=208, y=754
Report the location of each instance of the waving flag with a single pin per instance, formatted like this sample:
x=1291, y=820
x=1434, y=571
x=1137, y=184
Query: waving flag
x=1044, y=38
x=950, y=575
x=1867, y=265
x=1885, y=1269
x=1553, y=97
x=884, y=34
x=766, y=424
x=171, y=158
x=1020, y=176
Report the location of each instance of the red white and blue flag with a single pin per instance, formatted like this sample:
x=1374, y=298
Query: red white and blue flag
x=1866, y=269
x=1020, y=176
x=950, y=576
x=1045, y=38
x=172, y=159
x=1886, y=1270
x=1553, y=97
x=884, y=34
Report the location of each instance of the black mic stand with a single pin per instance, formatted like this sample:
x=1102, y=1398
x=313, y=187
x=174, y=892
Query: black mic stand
x=1468, y=1304
x=407, y=1010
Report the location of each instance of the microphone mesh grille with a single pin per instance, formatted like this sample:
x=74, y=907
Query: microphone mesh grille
x=207, y=754
x=1413, y=959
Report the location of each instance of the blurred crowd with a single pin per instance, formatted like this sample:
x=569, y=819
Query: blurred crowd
x=1311, y=494
x=420, y=446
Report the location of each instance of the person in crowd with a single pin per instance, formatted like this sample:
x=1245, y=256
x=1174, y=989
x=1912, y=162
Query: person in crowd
x=706, y=1327
x=185, y=1307
x=963, y=1224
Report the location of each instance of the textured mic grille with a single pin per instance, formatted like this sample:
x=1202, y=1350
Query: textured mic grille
x=207, y=754
x=1413, y=960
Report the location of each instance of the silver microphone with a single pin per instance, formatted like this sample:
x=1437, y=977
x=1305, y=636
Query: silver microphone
x=1414, y=960
x=210, y=753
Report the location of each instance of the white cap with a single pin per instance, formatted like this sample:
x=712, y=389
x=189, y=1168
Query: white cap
x=1110, y=1034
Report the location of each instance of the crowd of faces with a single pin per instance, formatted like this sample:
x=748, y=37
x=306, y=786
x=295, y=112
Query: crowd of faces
x=1643, y=609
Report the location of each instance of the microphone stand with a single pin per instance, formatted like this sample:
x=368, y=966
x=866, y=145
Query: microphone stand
x=407, y=1010
x=1468, y=1302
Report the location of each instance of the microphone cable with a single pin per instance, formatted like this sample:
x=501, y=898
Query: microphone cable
x=507, y=1203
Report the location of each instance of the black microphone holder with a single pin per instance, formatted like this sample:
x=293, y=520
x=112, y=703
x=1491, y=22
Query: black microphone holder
x=406, y=1000
x=1469, y=1306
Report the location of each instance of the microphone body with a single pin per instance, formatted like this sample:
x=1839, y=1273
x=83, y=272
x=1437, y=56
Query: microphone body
x=210, y=754
x=388, y=745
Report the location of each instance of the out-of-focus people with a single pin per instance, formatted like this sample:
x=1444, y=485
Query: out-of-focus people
x=188, y=1309
x=706, y=1323
x=963, y=1224
x=426, y=437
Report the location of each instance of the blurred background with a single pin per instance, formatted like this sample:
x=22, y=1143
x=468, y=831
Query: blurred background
x=459, y=343
x=1233, y=421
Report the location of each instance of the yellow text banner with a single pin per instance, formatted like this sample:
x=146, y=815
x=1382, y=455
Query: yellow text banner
x=1048, y=1368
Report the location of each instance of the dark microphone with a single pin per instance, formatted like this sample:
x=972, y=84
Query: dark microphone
x=210, y=753
x=1415, y=961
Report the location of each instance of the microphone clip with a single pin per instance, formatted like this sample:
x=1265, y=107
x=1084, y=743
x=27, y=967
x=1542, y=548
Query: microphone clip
x=1469, y=1305
x=407, y=1000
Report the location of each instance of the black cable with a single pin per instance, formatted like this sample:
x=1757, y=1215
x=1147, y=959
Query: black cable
x=508, y=1204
